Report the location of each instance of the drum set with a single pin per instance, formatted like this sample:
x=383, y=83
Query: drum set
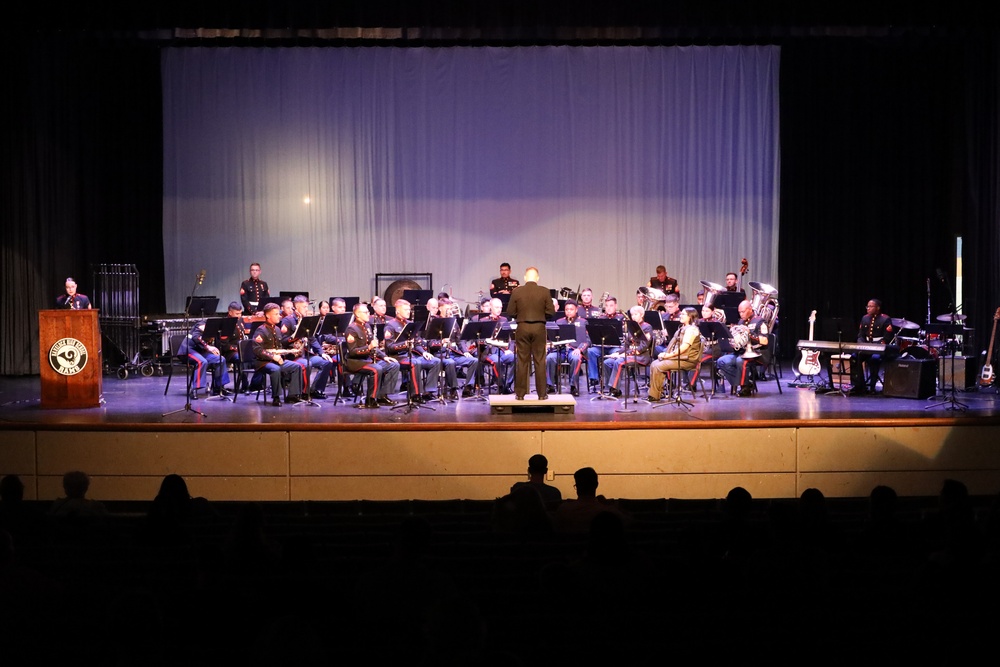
x=931, y=340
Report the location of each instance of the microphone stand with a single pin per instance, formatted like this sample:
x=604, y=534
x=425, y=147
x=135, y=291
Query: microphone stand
x=199, y=279
x=950, y=398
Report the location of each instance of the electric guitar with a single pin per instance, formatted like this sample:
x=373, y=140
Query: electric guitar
x=987, y=377
x=809, y=364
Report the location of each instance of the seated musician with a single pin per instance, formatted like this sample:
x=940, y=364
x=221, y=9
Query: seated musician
x=504, y=284
x=378, y=311
x=586, y=308
x=733, y=284
x=633, y=351
x=450, y=352
x=596, y=349
x=733, y=366
x=410, y=355
x=574, y=351
x=876, y=328
x=663, y=282
x=270, y=360
x=500, y=359
x=365, y=358
x=204, y=355
x=230, y=348
x=683, y=353
x=328, y=345
x=319, y=362
x=715, y=348
x=671, y=313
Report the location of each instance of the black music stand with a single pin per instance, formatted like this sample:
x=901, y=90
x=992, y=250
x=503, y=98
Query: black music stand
x=608, y=333
x=441, y=328
x=418, y=297
x=199, y=307
x=555, y=341
x=504, y=335
x=408, y=335
x=479, y=331
x=714, y=332
x=655, y=319
x=335, y=324
x=218, y=328
x=304, y=330
x=635, y=334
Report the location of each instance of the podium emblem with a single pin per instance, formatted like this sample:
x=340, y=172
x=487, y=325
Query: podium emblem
x=68, y=356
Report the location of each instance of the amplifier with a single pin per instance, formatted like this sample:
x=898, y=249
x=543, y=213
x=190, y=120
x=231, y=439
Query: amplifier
x=966, y=372
x=909, y=378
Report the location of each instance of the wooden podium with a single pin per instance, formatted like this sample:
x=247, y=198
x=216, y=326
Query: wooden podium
x=69, y=343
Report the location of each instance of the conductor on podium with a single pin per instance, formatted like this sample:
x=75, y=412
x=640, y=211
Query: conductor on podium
x=529, y=305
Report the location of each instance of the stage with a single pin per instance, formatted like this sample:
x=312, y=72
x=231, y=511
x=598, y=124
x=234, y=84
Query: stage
x=775, y=445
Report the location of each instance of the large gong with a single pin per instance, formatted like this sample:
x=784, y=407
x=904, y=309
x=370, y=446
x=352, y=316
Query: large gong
x=395, y=290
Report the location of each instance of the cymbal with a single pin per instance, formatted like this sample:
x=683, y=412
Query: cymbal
x=904, y=324
x=948, y=317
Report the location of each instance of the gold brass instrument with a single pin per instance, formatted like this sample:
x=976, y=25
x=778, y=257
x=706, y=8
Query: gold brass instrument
x=652, y=298
x=764, y=302
x=283, y=351
x=604, y=297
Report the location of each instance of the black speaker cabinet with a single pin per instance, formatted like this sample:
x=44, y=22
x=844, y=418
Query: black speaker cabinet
x=966, y=374
x=909, y=378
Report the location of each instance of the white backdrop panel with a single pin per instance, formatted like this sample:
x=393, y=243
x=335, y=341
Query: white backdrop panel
x=593, y=163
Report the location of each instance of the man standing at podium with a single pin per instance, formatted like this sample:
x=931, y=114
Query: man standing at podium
x=71, y=299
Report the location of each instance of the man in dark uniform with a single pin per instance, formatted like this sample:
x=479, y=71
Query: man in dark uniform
x=875, y=328
x=500, y=358
x=587, y=309
x=253, y=291
x=574, y=351
x=322, y=363
x=418, y=362
x=504, y=284
x=663, y=282
x=266, y=339
x=204, y=356
x=363, y=356
x=71, y=299
x=529, y=305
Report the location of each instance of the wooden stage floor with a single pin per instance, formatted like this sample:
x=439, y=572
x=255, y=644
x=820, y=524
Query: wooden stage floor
x=139, y=403
x=775, y=445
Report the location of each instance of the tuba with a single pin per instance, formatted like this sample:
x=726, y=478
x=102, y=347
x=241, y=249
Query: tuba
x=652, y=298
x=712, y=290
x=764, y=302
